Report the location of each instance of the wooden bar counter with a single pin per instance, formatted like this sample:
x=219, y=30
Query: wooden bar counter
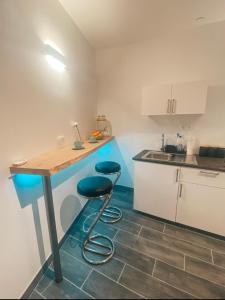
x=47, y=165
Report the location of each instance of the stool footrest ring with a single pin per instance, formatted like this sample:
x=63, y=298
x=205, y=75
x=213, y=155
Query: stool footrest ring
x=107, y=255
x=111, y=215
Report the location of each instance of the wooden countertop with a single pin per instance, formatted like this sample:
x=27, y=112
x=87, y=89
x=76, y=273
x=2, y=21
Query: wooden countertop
x=55, y=161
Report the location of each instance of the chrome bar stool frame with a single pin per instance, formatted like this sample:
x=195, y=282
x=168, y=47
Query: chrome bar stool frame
x=111, y=214
x=104, y=250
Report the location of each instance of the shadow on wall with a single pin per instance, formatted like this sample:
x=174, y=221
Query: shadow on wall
x=29, y=189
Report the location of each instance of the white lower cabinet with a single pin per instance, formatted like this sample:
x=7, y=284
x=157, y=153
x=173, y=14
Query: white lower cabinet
x=202, y=207
x=201, y=200
x=156, y=187
x=188, y=196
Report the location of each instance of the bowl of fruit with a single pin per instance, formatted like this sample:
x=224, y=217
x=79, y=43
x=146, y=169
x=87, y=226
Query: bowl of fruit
x=97, y=134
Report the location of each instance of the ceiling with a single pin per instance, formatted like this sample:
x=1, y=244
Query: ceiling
x=110, y=23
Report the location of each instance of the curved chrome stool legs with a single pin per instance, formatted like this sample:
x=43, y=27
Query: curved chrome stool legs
x=99, y=248
x=98, y=245
x=112, y=214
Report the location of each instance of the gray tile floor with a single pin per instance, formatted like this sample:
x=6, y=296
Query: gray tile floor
x=152, y=260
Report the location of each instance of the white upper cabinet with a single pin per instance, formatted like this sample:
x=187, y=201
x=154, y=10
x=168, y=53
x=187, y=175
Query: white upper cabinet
x=157, y=100
x=189, y=98
x=177, y=99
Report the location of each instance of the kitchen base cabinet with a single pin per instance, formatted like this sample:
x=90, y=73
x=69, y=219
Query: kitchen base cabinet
x=202, y=207
x=156, y=189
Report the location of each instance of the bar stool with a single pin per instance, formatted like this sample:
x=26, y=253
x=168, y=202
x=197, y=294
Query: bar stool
x=98, y=244
x=111, y=214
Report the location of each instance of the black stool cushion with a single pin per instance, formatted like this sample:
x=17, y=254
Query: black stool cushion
x=107, y=167
x=94, y=186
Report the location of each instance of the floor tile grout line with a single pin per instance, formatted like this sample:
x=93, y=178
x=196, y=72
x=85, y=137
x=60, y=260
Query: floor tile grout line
x=161, y=260
x=212, y=257
x=193, y=243
x=198, y=234
x=140, y=231
x=157, y=279
x=179, y=289
x=66, y=279
x=119, y=283
x=77, y=259
x=198, y=276
x=121, y=273
x=175, y=250
x=210, y=281
x=42, y=296
x=153, y=270
x=137, y=223
x=45, y=289
x=140, y=252
x=175, y=238
x=89, y=274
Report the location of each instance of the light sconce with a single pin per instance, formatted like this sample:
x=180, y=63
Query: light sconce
x=54, y=58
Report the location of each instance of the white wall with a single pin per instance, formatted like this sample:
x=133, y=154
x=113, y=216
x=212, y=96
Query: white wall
x=123, y=71
x=36, y=105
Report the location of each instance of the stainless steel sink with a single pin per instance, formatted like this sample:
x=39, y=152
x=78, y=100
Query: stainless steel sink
x=157, y=155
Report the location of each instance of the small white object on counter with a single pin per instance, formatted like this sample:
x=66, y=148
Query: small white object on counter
x=191, y=145
x=19, y=163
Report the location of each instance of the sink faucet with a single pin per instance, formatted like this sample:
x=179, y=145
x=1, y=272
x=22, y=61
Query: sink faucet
x=163, y=143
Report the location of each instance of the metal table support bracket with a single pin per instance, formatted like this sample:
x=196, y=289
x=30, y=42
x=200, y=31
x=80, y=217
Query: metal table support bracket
x=47, y=188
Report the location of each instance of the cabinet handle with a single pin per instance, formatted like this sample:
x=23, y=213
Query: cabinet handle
x=177, y=175
x=168, y=106
x=181, y=189
x=209, y=173
x=174, y=105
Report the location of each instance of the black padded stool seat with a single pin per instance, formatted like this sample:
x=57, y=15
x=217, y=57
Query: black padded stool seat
x=95, y=186
x=107, y=167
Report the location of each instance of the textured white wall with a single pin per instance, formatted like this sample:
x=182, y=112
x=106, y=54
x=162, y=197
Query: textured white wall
x=36, y=105
x=123, y=71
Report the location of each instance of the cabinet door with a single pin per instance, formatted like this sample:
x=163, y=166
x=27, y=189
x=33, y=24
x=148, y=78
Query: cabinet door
x=202, y=207
x=156, y=189
x=156, y=100
x=189, y=98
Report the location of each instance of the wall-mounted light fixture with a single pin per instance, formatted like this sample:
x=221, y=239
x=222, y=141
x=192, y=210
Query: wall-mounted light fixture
x=54, y=57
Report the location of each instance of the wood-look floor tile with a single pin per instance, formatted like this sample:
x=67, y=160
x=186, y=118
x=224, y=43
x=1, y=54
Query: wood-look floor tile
x=150, y=287
x=195, y=238
x=205, y=270
x=64, y=290
x=127, y=226
x=192, y=284
x=35, y=295
x=134, y=258
x=46, y=279
x=143, y=220
x=219, y=259
x=178, y=245
x=151, y=249
x=111, y=269
x=73, y=269
x=101, y=287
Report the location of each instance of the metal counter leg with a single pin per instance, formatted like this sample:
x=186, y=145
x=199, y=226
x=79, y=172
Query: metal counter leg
x=47, y=188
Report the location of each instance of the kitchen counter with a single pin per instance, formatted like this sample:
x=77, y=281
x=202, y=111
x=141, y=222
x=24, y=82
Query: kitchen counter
x=191, y=161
